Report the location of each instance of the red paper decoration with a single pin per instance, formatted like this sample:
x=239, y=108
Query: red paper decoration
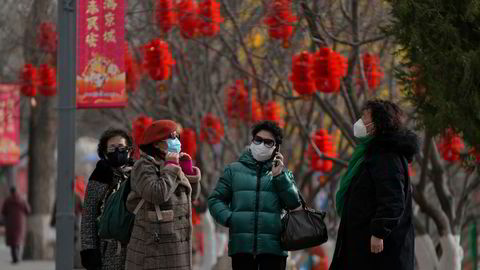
x=165, y=15
x=188, y=18
x=132, y=70
x=158, y=60
x=210, y=18
x=212, y=129
x=47, y=37
x=280, y=20
x=325, y=144
x=372, y=70
x=47, y=83
x=302, y=73
x=329, y=67
x=450, y=146
x=273, y=112
x=188, y=138
x=236, y=104
x=29, y=80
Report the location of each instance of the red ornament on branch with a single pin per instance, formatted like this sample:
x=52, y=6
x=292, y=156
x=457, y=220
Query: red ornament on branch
x=132, y=70
x=324, y=143
x=280, y=20
x=29, y=81
x=210, y=18
x=47, y=83
x=329, y=67
x=302, y=73
x=450, y=146
x=188, y=138
x=188, y=18
x=274, y=112
x=236, y=104
x=165, y=15
x=212, y=129
x=47, y=37
x=371, y=70
x=158, y=60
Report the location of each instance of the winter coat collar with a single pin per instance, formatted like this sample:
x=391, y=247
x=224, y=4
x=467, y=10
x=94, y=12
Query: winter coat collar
x=404, y=142
x=247, y=159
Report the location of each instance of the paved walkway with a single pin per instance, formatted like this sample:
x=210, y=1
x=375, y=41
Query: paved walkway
x=5, y=260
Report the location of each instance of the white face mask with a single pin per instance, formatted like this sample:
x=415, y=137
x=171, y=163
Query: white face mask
x=359, y=129
x=261, y=152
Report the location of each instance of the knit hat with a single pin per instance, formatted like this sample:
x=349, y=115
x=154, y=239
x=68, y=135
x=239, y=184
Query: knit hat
x=158, y=131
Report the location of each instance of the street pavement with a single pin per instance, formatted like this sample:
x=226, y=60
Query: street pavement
x=5, y=261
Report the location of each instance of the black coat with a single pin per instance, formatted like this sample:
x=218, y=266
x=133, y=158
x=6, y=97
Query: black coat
x=379, y=203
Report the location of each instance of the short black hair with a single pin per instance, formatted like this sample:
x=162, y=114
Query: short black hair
x=107, y=135
x=271, y=127
x=386, y=116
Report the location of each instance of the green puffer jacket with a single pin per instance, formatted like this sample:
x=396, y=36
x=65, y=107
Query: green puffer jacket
x=249, y=201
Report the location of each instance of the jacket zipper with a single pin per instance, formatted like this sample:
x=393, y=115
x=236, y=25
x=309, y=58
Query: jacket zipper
x=257, y=205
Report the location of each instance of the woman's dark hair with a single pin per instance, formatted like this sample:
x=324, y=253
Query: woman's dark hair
x=387, y=117
x=270, y=126
x=148, y=149
x=107, y=135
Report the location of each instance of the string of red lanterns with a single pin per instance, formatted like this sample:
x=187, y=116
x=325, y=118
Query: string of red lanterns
x=132, y=70
x=28, y=78
x=371, y=69
x=329, y=67
x=324, y=143
x=273, y=111
x=188, y=20
x=450, y=146
x=158, y=60
x=47, y=37
x=209, y=11
x=47, y=80
x=165, y=15
x=302, y=73
x=280, y=21
x=236, y=104
x=188, y=138
x=212, y=130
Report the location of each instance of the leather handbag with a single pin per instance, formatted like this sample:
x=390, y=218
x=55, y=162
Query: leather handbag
x=303, y=228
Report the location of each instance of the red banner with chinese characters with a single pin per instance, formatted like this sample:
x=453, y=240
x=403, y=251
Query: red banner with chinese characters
x=9, y=124
x=100, y=54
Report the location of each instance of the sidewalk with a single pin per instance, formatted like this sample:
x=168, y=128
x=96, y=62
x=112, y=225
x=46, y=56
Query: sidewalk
x=5, y=260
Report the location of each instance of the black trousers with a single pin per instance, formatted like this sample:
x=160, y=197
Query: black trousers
x=15, y=252
x=245, y=261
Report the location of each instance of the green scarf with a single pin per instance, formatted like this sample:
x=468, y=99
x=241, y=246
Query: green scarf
x=353, y=168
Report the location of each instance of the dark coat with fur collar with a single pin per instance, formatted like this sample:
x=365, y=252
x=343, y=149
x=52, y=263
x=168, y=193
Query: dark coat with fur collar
x=379, y=203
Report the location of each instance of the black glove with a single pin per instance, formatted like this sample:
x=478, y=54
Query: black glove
x=91, y=259
x=103, y=172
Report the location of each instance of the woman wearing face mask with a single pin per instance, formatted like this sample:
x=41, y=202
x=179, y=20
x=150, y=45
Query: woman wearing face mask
x=113, y=167
x=167, y=183
x=375, y=196
x=249, y=199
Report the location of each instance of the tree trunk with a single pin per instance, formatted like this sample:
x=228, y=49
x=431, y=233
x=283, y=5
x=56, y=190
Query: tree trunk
x=426, y=255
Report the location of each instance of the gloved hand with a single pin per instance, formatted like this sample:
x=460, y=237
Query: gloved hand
x=186, y=164
x=91, y=259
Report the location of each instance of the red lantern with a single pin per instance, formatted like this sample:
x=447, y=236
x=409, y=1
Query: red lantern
x=158, y=60
x=212, y=129
x=302, y=73
x=324, y=143
x=47, y=83
x=236, y=104
x=132, y=70
x=29, y=81
x=329, y=67
x=188, y=138
x=47, y=37
x=188, y=18
x=209, y=11
x=450, y=146
x=280, y=20
x=273, y=112
x=371, y=70
x=165, y=15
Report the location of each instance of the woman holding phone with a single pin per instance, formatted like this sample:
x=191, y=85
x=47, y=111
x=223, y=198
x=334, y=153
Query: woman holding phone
x=249, y=199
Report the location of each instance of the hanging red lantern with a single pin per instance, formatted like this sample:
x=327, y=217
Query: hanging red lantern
x=212, y=129
x=371, y=70
x=188, y=138
x=302, y=73
x=324, y=143
x=236, y=104
x=158, y=60
x=329, y=67
x=47, y=37
x=131, y=70
x=165, y=15
x=209, y=11
x=450, y=146
x=188, y=18
x=273, y=112
x=280, y=20
x=29, y=81
x=47, y=81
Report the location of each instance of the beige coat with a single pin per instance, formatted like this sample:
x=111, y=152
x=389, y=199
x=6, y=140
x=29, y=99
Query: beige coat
x=161, y=238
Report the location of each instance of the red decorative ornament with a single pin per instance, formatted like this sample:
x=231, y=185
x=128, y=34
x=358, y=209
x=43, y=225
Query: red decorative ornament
x=188, y=138
x=158, y=60
x=329, y=67
x=274, y=112
x=188, y=18
x=47, y=83
x=450, y=146
x=324, y=143
x=236, y=104
x=29, y=81
x=47, y=37
x=139, y=125
x=209, y=11
x=280, y=20
x=212, y=129
x=372, y=70
x=302, y=73
x=165, y=15
x=132, y=70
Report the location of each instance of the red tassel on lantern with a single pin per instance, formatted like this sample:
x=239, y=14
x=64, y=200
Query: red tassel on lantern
x=47, y=37
x=132, y=71
x=324, y=143
x=450, y=146
x=188, y=138
x=210, y=18
x=139, y=125
x=29, y=80
x=47, y=83
x=280, y=20
x=212, y=129
x=188, y=18
x=329, y=66
x=158, y=60
x=302, y=73
x=165, y=15
x=273, y=112
x=371, y=70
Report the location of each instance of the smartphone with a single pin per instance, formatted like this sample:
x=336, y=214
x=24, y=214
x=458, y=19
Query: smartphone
x=277, y=149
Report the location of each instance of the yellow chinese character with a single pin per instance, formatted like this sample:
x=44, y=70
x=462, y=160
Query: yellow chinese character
x=92, y=23
x=109, y=19
x=109, y=36
x=92, y=7
x=110, y=4
x=91, y=40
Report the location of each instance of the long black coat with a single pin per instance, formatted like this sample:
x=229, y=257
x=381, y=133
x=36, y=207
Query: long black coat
x=379, y=203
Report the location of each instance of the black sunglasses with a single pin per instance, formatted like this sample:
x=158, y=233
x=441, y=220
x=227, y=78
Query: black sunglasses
x=267, y=142
x=174, y=136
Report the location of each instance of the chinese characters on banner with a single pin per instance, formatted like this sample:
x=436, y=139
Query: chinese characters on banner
x=9, y=124
x=100, y=54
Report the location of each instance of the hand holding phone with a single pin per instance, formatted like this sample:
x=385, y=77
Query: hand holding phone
x=277, y=164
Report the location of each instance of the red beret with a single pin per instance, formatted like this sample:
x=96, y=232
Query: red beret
x=158, y=131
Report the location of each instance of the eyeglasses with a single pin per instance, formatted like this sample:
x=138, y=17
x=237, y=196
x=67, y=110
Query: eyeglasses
x=269, y=143
x=112, y=149
x=174, y=135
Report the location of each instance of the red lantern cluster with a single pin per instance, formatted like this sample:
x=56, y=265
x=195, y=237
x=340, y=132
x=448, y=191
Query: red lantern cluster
x=158, y=60
x=329, y=67
x=324, y=143
x=209, y=11
x=47, y=37
x=188, y=138
x=211, y=129
x=165, y=15
x=132, y=70
x=236, y=104
x=47, y=81
x=274, y=112
x=29, y=80
x=188, y=18
x=280, y=20
x=450, y=146
x=372, y=70
x=302, y=73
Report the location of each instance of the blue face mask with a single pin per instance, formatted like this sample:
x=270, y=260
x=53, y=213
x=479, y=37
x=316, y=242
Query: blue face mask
x=174, y=145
